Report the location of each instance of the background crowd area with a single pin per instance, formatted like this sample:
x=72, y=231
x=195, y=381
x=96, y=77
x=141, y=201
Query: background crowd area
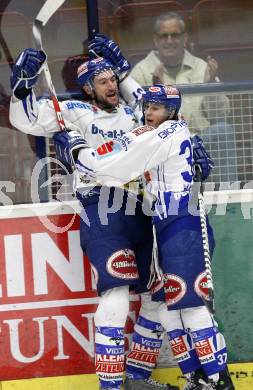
x=222, y=29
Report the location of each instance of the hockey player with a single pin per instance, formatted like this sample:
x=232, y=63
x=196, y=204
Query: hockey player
x=162, y=149
x=120, y=251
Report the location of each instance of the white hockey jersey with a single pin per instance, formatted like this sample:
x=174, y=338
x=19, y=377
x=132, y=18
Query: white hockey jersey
x=164, y=154
x=39, y=118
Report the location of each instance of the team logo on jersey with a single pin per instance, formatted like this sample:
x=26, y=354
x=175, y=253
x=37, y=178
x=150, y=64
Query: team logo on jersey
x=200, y=286
x=122, y=264
x=174, y=288
x=142, y=129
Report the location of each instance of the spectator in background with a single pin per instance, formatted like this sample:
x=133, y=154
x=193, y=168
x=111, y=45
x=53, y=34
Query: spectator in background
x=220, y=139
x=172, y=63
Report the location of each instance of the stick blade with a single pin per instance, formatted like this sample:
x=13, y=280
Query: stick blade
x=48, y=9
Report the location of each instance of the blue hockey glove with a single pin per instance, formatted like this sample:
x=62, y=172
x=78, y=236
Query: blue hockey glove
x=26, y=69
x=67, y=145
x=201, y=159
x=107, y=48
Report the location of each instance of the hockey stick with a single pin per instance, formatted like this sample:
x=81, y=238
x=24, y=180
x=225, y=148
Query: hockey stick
x=48, y=9
x=209, y=302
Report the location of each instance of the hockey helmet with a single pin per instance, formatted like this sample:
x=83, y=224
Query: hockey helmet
x=168, y=95
x=89, y=69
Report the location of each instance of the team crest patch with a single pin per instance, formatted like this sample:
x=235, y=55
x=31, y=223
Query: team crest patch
x=174, y=288
x=200, y=286
x=122, y=265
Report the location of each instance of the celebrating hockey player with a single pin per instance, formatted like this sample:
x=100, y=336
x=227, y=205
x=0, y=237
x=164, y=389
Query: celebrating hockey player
x=162, y=149
x=120, y=250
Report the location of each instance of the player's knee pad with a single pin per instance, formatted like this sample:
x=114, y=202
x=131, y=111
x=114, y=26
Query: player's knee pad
x=113, y=307
x=170, y=319
x=196, y=318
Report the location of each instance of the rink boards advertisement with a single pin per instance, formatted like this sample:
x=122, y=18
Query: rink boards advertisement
x=48, y=297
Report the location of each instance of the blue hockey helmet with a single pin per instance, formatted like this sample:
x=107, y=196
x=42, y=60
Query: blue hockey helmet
x=89, y=69
x=168, y=95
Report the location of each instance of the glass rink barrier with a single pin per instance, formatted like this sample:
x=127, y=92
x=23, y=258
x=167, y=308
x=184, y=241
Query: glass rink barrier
x=222, y=114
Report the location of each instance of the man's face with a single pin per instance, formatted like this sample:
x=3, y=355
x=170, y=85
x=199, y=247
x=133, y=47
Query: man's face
x=170, y=42
x=155, y=114
x=106, y=89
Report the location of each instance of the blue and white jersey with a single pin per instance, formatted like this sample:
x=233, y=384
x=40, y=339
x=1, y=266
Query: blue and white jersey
x=163, y=154
x=97, y=126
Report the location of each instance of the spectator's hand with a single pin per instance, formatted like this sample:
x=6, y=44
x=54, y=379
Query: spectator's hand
x=26, y=69
x=211, y=70
x=107, y=48
x=201, y=159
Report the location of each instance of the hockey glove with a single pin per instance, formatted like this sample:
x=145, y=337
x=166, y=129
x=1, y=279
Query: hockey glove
x=67, y=145
x=201, y=159
x=107, y=48
x=25, y=71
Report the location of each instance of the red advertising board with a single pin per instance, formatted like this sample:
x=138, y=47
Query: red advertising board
x=48, y=299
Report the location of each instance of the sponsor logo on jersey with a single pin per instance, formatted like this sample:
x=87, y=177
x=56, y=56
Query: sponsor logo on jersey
x=200, y=286
x=108, y=149
x=110, y=363
x=72, y=105
x=150, y=343
x=174, y=288
x=107, y=134
x=115, y=351
x=143, y=129
x=140, y=353
x=176, y=126
x=178, y=346
x=122, y=265
x=204, y=351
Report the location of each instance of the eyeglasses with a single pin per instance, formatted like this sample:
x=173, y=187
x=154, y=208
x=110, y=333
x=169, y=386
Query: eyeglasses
x=173, y=36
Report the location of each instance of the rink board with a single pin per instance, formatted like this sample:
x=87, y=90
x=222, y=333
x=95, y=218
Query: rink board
x=242, y=375
x=50, y=307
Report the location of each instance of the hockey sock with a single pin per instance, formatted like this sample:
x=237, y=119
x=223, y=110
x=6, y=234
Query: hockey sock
x=211, y=349
x=183, y=350
x=109, y=356
x=145, y=348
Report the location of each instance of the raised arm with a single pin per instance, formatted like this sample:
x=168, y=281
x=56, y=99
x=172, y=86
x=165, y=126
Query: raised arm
x=26, y=114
